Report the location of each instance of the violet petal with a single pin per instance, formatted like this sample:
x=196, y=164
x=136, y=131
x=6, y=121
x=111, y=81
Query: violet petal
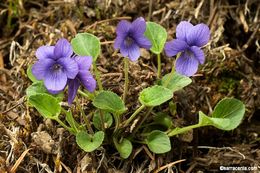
x=69, y=66
x=182, y=30
x=55, y=81
x=175, y=46
x=73, y=86
x=132, y=51
x=44, y=52
x=143, y=42
x=138, y=27
x=122, y=28
x=186, y=65
x=198, y=54
x=41, y=67
x=118, y=41
x=88, y=81
x=199, y=35
x=62, y=49
x=84, y=62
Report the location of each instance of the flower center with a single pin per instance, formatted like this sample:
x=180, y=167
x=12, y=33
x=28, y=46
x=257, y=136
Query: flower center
x=128, y=41
x=56, y=67
x=189, y=53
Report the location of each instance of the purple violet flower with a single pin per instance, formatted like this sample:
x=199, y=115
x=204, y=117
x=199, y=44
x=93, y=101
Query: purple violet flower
x=189, y=41
x=84, y=77
x=55, y=65
x=130, y=38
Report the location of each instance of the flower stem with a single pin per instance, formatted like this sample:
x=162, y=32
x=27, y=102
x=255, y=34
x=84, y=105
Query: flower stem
x=86, y=94
x=159, y=66
x=63, y=124
x=177, y=131
x=117, y=122
x=133, y=115
x=85, y=118
x=70, y=119
x=102, y=120
x=142, y=121
x=170, y=77
x=126, y=68
x=97, y=74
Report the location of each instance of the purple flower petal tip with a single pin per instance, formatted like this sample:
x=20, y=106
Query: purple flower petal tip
x=63, y=49
x=175, y=46
x=88, y=81
x=186, y=66
x=45, y=52
x=84, y=62
x=199, y=35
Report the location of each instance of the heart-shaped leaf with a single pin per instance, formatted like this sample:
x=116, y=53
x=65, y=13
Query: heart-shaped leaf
x=89, y=142
x=109, y=101
x=155, y=95
x=175, y=81
x=39, y=88
x=157, y=35
x=227, y=115
x=47, y=105
x=107, y=119
x=86, y=44
x=124, y=148
x=158, y=142
x=30, y=75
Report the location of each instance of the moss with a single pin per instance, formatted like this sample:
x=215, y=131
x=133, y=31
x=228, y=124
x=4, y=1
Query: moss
x=227, y=85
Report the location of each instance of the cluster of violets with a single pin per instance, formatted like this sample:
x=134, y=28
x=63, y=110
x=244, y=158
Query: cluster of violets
x=58, y=66
x=59, y=69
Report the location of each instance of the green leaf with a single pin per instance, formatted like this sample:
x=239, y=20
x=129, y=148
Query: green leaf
x=86, y=44
x=36, y=88
x=227, y=115
x=157, y=35
x=163, y=119
x=219, y=123
x=109, y=101
x=175, y=81
x=107, y=119
x=39, y=88
x=158, y=142
x=30, y=75
x=88, y=142
x=155, y=95
x=124, y=148
x=47, y=105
